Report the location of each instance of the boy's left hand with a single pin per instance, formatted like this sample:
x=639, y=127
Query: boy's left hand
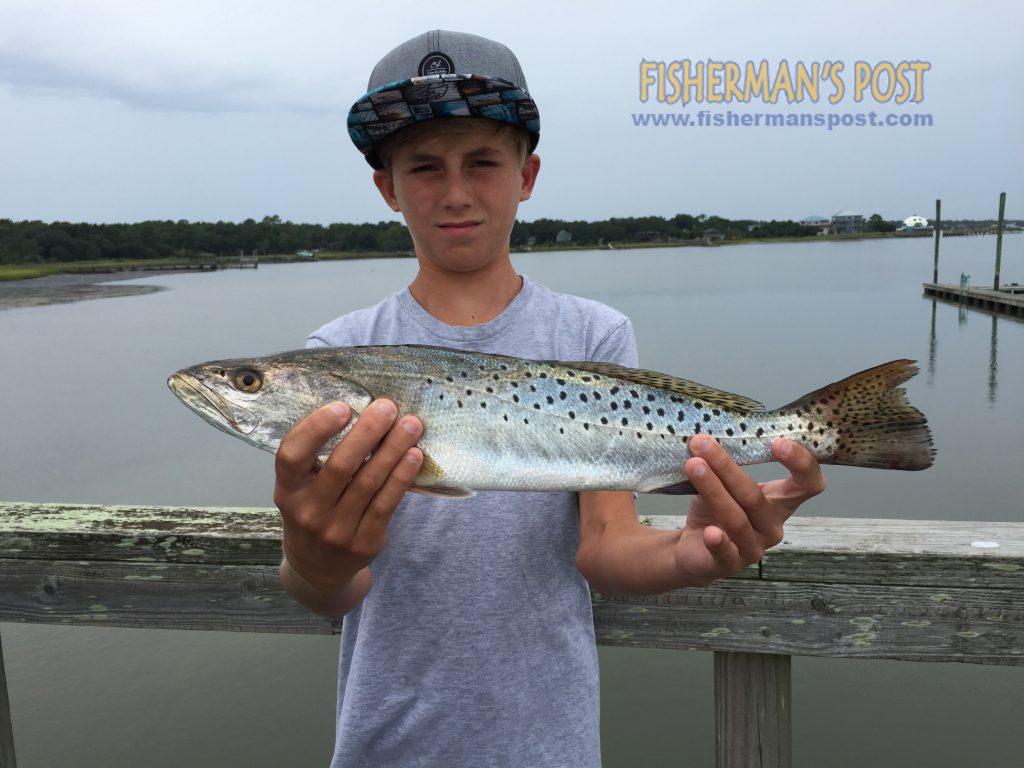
x=735, y=519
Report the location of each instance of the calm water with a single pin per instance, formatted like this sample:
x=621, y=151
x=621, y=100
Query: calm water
x=86, y=417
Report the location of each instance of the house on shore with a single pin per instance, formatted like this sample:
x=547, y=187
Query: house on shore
x=847, y=222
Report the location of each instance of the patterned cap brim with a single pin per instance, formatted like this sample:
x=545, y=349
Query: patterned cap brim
x=395, y=106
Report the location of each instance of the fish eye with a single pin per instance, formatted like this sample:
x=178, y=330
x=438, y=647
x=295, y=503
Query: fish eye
x=248, y=380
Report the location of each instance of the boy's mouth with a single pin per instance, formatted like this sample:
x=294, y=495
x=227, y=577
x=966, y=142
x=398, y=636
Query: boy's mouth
x=458, y=227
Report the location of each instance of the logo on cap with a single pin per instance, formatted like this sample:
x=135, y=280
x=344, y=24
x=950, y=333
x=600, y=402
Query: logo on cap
x=436, y=63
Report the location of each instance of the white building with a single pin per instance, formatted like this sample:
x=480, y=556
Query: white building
x=915, y=222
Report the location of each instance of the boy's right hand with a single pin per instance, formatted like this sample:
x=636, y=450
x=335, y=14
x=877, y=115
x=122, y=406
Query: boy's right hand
x=335, y=517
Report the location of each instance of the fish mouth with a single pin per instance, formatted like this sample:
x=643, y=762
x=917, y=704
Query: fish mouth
x=211, y=406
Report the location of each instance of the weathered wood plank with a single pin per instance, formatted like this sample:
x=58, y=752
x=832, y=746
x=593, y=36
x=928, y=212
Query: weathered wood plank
x=753, y=711
x=164, y=596
x=7, y=755
x=95, y=532
x=839, y=620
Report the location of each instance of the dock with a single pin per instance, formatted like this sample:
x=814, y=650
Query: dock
x=1008, y=300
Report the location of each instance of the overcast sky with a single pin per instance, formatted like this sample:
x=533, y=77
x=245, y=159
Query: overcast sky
x=118, y=110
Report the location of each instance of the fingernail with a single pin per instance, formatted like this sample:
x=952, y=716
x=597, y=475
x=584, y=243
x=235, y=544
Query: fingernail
x=783, y=448
x=700, y=444
x=341, y=409
x=411, y=426
x=698, y=468
x=387, y=408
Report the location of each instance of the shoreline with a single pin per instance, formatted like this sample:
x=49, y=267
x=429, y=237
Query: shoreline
x=68, y=288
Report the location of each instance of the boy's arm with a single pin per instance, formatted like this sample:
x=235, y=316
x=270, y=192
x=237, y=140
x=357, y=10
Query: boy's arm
x=729, y=525
x=335, y=517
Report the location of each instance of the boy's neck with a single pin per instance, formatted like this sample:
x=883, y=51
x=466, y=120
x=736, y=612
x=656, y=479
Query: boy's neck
x=466, y=298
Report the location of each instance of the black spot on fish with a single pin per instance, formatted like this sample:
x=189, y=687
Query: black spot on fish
x=529, y=375
x=536, y=406
x=650, y=398
x=505, y=417
x=696, y=428
x=483, y=404
x=716, y=412
x=495, y=377
x=707, y=417
x=583, y=397
x=463, y=374
x=533, y=388
x=625, y=421
x=586, y=426
x=515, y=398
x=604, y=419
x=650, y=426
x=759, y=432
x=698, y=405
x=627, y=404
x=430, y=380
x=597, y=395
x=615, y=390
x=561, y=382
x=584, y=378
x=671, y=429
x=743, y=427
x=614, y=406
x=660, y=411
x=469, y=391
x=680, y=416
x=526, y=421
x=503, y=367
x=728, y=431
x=449, y=378
x=459, y=403
x=562, y=395
x=515, y=384
x=572, y=414
x=551, y=400
x=561, y=431
x=647, y=411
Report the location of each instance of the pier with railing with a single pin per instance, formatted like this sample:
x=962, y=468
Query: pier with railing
x=848, y=588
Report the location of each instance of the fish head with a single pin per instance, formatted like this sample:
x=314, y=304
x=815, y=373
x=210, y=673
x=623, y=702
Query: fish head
x=259, y=400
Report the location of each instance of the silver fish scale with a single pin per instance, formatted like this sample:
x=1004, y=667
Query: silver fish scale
x=546, y=419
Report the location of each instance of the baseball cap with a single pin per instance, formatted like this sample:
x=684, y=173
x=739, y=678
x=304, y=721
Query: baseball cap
x=441, y=74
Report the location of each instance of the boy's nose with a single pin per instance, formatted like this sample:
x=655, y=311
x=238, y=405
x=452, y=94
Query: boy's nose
x=456, y=191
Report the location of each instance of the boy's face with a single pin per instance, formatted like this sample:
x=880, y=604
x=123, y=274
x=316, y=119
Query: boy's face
x=458, y=193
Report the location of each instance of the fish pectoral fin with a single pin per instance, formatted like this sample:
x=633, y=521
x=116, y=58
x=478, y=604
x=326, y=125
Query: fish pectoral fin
x=432, y=472
x=442, y=493
x=684, y=488
x=685, y=387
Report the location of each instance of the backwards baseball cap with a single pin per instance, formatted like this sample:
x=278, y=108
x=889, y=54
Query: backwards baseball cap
x=441, y=74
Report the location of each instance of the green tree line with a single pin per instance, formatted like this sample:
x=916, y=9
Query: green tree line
x=38, y=242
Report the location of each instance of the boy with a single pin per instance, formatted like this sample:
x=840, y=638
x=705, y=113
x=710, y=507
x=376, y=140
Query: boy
x=468, y=636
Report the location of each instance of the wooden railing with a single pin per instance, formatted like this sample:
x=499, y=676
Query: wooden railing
x=892, y=589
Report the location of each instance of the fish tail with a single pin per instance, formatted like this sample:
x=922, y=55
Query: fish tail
x=876, y=426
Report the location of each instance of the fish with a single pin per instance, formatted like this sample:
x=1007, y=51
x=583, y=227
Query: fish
x=499, y=423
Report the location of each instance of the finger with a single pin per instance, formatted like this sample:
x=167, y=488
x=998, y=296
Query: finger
x=804, y=469
x=726, y=512
x=374, y=523
x=350, y=454
x=733, y=494
x=722, y=550
x=296, y=460
x=374, y=473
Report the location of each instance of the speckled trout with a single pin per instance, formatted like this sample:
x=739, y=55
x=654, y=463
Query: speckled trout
x=502, y=423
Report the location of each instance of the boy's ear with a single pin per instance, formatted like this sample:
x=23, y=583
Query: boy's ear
x=531, y=167
x=386, y=185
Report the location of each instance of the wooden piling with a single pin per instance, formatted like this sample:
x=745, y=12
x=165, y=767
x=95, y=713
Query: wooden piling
x=938, y=228
x=999, y=238
x=7, y=757
x=752, y=711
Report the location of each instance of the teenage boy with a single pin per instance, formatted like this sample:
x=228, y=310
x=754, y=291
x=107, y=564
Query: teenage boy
x=468, y=636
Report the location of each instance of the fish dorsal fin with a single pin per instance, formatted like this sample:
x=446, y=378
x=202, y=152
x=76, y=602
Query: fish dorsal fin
x=685, y=387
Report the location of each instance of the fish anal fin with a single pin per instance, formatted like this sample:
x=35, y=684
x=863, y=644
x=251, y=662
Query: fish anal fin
x=685, y=387
x=441, y=492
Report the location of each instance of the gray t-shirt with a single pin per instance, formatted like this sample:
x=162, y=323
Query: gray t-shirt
x=475, y=646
